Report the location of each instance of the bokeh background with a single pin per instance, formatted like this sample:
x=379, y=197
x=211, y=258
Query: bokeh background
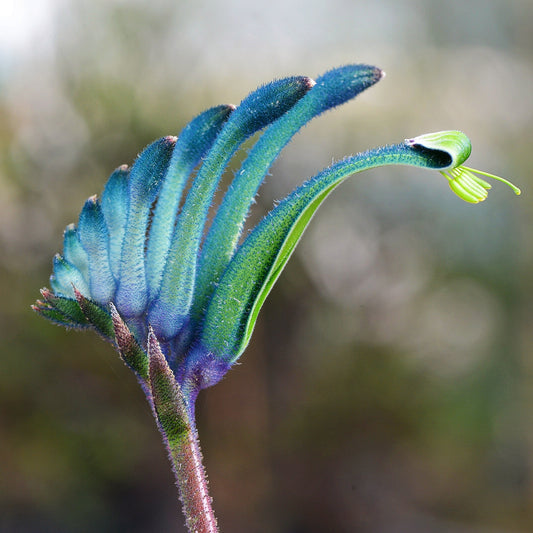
x=389, y=383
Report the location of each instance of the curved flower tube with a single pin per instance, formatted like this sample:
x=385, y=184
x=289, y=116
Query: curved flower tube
x=179, y=308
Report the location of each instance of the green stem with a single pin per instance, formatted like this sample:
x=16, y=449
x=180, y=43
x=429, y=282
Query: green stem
x=186, y=459
x=178, y=429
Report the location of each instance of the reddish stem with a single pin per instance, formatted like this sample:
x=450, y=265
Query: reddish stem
x=175, y=418
x=192, y=483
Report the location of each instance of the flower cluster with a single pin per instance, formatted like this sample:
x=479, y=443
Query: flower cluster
x=144, y=272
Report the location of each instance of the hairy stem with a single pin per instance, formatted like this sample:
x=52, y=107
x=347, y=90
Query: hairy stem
x=177, y=426
x=186, y=459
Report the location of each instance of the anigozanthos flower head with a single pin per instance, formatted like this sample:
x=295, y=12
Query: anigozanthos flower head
x=137, y=264
x=178, y=297
x=157, y=281
x=463, y=180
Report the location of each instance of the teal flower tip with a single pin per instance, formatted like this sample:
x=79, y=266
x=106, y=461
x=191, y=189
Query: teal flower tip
x=147, y=272
x=341, y=84
x=464, y=181
x=269, y=102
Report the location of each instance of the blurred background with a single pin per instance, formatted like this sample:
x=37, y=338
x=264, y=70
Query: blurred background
x=389, y=383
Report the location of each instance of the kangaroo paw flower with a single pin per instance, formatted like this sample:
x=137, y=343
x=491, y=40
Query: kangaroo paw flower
x=179, y=297
x=138, y=263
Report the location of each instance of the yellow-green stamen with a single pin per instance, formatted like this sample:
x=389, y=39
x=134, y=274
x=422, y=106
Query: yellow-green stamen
x=469, y=187
x=515, y=189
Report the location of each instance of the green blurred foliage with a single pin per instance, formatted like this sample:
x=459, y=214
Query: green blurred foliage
x=388, y=384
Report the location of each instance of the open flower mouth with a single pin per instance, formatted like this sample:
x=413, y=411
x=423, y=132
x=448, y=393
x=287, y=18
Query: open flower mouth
x=456, y=147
